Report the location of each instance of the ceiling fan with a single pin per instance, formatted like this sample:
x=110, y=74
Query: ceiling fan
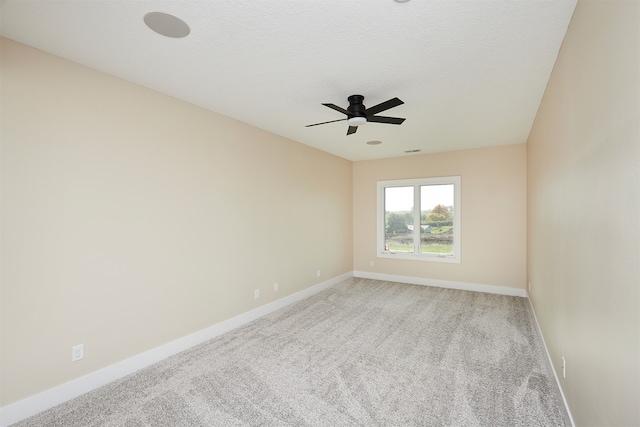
x=358, y=114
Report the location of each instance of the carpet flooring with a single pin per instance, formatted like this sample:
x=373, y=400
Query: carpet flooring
x=362, y=353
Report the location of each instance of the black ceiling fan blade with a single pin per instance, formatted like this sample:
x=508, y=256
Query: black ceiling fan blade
x=383, y=106
x=352, y=129
x=335, y=107
x=388, y=120
x=324, y=123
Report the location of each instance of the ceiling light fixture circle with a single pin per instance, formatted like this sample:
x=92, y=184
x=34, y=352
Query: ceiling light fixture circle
x=167, y=25
x=357, y=121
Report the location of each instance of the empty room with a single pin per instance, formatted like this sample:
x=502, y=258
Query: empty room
x=320, y=213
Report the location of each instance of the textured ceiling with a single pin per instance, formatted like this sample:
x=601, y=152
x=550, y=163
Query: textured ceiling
x=471, y=73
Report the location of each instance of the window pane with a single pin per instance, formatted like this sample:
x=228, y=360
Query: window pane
x=437, y=219
x=398, y=214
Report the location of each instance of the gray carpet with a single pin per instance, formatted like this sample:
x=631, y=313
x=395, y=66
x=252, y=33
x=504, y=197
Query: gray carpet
x=363, y=353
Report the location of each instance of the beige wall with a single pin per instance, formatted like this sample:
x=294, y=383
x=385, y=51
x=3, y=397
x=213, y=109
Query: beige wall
x=583, y=218
x=130, y=219
x=493, y=182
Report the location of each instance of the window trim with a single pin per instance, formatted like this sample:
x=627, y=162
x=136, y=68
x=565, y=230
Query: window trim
x=416, y=183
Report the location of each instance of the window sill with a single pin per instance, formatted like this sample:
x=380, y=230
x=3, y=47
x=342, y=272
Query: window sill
x=451, y=259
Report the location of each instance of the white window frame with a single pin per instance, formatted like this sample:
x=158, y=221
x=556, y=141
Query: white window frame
x=417, y=255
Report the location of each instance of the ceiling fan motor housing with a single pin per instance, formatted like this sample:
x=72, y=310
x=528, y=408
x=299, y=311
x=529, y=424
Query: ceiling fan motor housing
x=355, y=106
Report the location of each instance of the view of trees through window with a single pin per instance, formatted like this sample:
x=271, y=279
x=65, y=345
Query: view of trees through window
x=434, y=219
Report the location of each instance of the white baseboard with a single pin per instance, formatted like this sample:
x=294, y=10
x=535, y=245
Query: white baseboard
x=48, y=399
x=475, y=287
x=553, y=369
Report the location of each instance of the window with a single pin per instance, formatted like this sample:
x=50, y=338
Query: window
x=419, y=219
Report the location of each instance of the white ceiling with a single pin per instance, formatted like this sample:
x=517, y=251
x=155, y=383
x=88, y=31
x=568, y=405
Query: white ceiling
x=471, y=73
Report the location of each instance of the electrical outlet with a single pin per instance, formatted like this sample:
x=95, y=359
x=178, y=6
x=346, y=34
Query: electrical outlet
x=77, y=352
x=529, y=287
x=318, y=273
x=564, y=368
x=257, y=293
x=371, y=263
x=275, y=287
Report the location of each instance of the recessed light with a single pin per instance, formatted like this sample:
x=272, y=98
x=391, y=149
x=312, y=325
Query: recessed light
x=374, y=142
x=166, y=25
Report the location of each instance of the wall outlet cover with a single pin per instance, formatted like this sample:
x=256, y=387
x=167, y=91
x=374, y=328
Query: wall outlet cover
x=77, y=352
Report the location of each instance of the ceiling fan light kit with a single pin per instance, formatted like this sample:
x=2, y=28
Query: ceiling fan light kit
x=357, y=114
x=357, y=121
